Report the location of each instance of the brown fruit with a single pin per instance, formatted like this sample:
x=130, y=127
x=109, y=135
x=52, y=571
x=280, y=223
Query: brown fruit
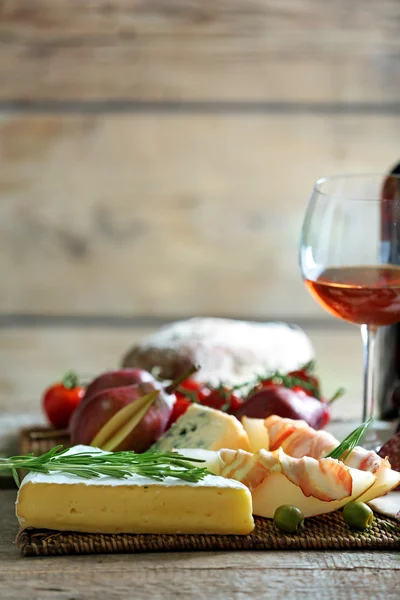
x=114, y=379
x=91, y=417
x=284, y=402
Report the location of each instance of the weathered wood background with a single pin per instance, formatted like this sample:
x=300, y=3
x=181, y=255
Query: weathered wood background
x=156, y=160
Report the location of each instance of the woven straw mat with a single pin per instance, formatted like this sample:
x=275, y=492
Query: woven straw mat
x=323, y=532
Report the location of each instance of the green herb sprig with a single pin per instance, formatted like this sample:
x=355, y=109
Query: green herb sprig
x=122, y=464
x=342, y=451
x=391, y=526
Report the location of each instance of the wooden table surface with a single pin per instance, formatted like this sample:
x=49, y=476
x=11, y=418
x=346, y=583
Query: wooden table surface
x=114, y=93
x=269, y=574
x=274, y=574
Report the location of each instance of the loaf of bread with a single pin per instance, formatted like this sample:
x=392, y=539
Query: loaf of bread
x=227, y=351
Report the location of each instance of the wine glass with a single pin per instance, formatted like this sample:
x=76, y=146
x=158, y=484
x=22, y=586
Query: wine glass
x=350, y=257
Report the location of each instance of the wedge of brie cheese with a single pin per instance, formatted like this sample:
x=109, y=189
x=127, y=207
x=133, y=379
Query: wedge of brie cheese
x=136, y=504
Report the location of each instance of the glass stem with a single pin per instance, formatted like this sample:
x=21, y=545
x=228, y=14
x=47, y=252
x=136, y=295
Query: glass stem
x=368, y=335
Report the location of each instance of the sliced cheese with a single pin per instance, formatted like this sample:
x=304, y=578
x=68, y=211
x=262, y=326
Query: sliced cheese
x=136, y=504
x=206, y=428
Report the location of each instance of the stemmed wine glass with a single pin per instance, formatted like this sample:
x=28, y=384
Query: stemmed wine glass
x=350, y=257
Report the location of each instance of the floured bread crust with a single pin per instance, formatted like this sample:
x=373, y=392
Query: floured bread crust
x=226, y=350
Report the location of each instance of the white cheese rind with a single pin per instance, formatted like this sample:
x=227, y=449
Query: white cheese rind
x=138, y=480
x=69, y=479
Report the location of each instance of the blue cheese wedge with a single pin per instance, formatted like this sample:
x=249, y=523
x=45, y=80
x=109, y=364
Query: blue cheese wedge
x=136, y=504
x=206, y=428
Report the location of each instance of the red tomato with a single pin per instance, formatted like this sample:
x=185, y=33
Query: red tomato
x=294, y=381
x=191, y=385
x=180, y=407
x=312, y=382
x=61, y=399
x=223, y=399
x=193, y=390
x=266, y=383
x=298, y=388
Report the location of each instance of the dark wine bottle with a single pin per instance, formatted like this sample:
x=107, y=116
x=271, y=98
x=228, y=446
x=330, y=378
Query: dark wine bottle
x=388, y=339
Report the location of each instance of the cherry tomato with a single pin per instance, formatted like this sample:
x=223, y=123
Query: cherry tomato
x=61, y=399
x=193, y=390
x=272, y=394
x=262, y=385
x=191, y=385
x=223, y=399
x=180, y=407
x=298, y=388
x=299, y=381
x=312, y=382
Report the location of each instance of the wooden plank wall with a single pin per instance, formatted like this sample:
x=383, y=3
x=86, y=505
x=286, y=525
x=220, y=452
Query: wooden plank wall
x=157, y=157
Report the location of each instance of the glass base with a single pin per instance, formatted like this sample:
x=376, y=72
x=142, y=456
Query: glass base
x=373, y=439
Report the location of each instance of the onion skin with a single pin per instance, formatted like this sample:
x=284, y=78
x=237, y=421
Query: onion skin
x=94, y=414
x=284, y=402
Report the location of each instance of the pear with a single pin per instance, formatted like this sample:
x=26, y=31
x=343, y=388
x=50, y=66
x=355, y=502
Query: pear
x=257, y=433
x=386, y=480
x=276, y=489
x=211, y=458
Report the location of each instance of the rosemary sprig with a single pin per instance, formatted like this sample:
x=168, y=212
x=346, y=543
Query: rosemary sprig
x=391, y=526
x=122, y=464
x=291, y=381
x=342, y=451
x=338, y=394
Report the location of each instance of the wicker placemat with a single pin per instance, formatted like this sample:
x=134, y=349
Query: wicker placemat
x=324, y=532
x=41, y=439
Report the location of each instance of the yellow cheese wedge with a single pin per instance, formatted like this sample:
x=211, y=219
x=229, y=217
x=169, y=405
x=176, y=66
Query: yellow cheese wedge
x=136, y=504
x=257, y=433
x=205, y=428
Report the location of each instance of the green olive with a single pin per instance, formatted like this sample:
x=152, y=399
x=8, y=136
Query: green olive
x=288, y=518
x=358, y=515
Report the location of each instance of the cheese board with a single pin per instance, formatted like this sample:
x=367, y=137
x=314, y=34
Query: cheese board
x=326, y=531
x=135, y=462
